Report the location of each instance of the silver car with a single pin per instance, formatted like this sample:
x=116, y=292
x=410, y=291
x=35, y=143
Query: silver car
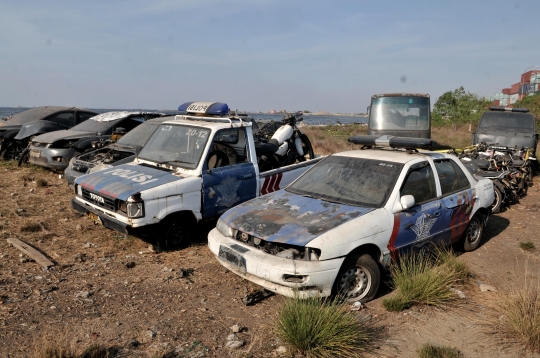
x=54, y=150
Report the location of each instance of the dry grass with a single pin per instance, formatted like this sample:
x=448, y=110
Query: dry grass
x=436, y=351
x=53, y=346
x=521, y=315
x=31, y=227
x=425, y=279
x=333, y=138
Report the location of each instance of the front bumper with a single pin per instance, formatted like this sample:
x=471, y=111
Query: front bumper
x=47, y=157
x=106, y=220
x=270, y=271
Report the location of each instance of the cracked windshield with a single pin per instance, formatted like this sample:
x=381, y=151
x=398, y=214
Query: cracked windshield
x=176, y=145
x=352, y=181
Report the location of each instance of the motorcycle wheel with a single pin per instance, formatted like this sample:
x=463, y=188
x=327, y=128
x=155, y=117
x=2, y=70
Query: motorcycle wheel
x=307, y=147
x=497, y=201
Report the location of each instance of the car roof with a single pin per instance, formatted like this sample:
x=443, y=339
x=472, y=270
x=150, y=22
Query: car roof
x=390, y=155
x=209, y=122
x=111, y=116
x=42, y=112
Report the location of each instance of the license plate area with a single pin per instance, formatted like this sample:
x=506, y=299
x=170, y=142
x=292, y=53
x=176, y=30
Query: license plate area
x=232, y=257
x=95, y=218
x=35, y=153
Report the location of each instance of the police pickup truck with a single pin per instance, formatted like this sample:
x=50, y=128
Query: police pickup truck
x=335, y=227
x=194, y=167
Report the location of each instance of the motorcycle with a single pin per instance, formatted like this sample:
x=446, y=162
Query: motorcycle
x=282, y=146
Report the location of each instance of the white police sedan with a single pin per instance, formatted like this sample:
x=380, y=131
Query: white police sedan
x=339, y=224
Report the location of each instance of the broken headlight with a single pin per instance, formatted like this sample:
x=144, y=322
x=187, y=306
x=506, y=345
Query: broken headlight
x=134, y=206
x=225, y=229
x=78, y=190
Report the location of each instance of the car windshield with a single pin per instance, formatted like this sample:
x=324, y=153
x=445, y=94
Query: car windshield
x=507, y=120
x=399, y=113
x=139, y=135
x=350, y=181
x=95, y=126
x=177, y=145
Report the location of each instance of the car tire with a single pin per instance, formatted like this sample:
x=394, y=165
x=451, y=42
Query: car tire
x=175, y=233
x=358, y=279
x=23, y=159
x=12, y=151
x=497, y=201
x=472, y=236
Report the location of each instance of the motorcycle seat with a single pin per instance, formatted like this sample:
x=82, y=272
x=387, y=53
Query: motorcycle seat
x=266, y=148
x=479, y=163
x=488, y=174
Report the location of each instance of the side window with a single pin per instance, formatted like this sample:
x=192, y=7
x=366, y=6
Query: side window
x=449, y=177
x=420, y=183
x=83, y=116
x=128, y=124
x=463, y=180
x=228, y=148
x=65, y=119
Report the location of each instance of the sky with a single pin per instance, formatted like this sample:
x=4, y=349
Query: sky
x=259, y=55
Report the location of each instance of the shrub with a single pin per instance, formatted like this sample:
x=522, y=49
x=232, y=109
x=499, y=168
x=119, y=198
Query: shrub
x=521, y=310
x=425, y=278
x=322, y=327
x=41, y=183
x=435, y=351
x=32, y=227
x=53, y=346
x=527, y=246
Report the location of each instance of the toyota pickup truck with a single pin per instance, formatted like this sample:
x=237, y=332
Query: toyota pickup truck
x=194, y=167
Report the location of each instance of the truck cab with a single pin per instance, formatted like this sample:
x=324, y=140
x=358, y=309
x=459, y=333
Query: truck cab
x=400, y=115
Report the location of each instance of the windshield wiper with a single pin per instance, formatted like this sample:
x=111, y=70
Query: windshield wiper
x=172, y=161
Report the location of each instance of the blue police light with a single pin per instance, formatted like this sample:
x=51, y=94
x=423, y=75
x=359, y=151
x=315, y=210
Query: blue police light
x=210, y=108
x=509, y=109
x=391, y=141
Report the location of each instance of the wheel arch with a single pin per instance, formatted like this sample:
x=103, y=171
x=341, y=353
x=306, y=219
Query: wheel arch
x=371, y=249
x=179, y=215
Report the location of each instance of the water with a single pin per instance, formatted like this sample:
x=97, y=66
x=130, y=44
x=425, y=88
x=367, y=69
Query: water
x=308, y=119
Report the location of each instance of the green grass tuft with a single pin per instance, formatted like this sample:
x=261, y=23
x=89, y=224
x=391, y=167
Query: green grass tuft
x=425, y=279
x=527, y=246
x=322, y=327
x=435, y=351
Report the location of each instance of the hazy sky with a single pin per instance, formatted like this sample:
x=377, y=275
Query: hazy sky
x=259, y=54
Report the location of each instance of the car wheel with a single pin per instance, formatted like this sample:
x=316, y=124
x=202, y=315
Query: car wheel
x=358, y=279
x=497, y=201
x=23, y=159
x=473, y=233
x=175, y=234
x=12, y=151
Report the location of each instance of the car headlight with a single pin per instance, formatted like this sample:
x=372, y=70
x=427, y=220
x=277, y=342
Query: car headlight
x=78, y=190
x=134, y=207
x=225, y=229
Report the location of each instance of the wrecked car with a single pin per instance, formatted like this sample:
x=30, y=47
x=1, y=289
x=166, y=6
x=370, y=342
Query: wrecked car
x=509, y=127
x=194, y=167
x=54, y=150
x=338, y=225
x=17, y=130
x=114, y=153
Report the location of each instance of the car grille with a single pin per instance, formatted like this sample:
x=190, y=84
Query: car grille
x=94, y=198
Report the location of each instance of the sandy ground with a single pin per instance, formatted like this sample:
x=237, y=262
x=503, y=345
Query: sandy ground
x=114, y=290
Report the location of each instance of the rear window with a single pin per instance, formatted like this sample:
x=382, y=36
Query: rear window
x=507, y=120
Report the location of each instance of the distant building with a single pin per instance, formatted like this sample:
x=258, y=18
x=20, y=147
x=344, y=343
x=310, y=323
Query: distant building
x=527, y=86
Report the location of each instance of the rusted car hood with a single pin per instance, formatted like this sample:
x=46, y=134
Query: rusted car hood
x=290, y=218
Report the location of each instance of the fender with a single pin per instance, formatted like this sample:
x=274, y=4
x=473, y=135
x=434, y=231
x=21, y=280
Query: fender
x=10, y=134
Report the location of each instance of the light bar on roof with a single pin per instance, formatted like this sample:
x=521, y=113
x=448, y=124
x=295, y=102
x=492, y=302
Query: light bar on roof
x=211, y=108
x=391, y=141
x=509, y=109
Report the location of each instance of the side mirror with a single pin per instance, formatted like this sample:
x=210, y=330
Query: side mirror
x=407, y=201
x=404, y=203
x=120, y=130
